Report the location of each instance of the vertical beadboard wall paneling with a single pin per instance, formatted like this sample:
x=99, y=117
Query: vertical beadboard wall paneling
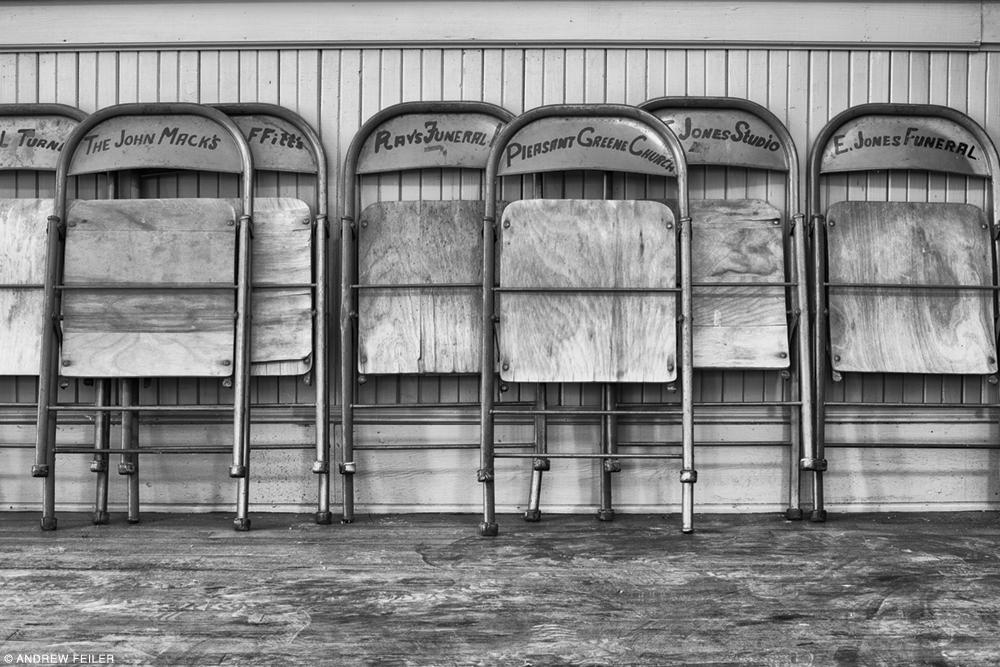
x=336, y=88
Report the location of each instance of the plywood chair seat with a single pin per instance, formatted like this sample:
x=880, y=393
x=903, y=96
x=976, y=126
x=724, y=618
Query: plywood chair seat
x=738, y=241
x=167, y=318
x=602, y=333
x=22, y=262
x=281, y=338
x=911, y=330
x=423, y=329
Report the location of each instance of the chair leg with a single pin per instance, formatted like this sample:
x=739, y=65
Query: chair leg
x=609, y=446
x=539, y=464
x=129, y=465
x=102, y=440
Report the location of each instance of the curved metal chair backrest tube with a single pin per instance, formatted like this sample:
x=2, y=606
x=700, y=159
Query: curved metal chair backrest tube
x=877, y=137
x=559, y=138
x=272, y=134
x=735, y=132
x=395, y=139
x=104, y=142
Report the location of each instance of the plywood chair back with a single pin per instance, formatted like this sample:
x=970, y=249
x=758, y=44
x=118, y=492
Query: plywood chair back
x=738, y=241
x=174, y=313
x=419, y=263
x=289, y=259
x=31, y=137
x=405, y=324
x=604, y=332
x=908, y=320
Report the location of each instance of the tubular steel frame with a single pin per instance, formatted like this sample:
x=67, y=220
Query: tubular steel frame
x=795, y=231
x=610, y=457
x=48, y=405
x=320, y=287
x=349, y=261
x=814, y=458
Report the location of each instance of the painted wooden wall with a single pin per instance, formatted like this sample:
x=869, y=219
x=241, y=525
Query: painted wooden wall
x=336, y=88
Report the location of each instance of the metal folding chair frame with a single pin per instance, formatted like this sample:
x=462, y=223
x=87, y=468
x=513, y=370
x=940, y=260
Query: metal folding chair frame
x=349, y=264
x=319, y=286
x=814, y=458
x=797, y=297
x=609, y=455
x=48, y=405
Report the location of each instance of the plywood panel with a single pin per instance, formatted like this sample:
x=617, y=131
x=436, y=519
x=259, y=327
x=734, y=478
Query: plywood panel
x=903, y=331
x=420, y=330
x=23, y=241
x=738, y=241
x=281, y=336
x=587, y=337
x=149, y=332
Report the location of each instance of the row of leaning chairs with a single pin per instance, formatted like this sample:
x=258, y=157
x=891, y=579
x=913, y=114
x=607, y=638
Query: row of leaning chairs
x=107, y=288
x=570, y=251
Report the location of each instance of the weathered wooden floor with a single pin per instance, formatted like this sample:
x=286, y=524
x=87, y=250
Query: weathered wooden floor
x=894, y=590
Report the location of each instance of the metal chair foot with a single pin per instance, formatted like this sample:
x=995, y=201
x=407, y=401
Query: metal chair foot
x=794, y=514
x=817, y=516
x=533, y=515
x=687, y=531
x=101, y=518
x=324, y=518
x=133, y=519
x=48, y=523
x=241, y=525
x=347, y=519
x=489, y=529
x=605, y=515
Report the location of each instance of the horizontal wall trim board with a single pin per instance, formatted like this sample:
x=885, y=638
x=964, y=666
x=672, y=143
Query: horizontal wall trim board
x=131, y=24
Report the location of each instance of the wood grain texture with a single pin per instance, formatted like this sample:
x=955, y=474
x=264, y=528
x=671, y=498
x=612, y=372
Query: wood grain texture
x=587, y=337
x=281, y=338
x=149, y=332
x=420, y=330
x=905, y=589
x=741, y=241
x=910, y=331
x=23, y=239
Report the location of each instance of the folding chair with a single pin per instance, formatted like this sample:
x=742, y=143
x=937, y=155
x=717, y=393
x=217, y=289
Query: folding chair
x=901, y=286
x=289, y=302
x=31, y=137
x=147, y=288
x=588, y=291
x=412, y=279
x=748, y=259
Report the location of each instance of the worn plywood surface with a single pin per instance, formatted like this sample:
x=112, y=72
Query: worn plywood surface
x=420, y=330
x=281, y=337
x=149, y=332
x=23, y=240
x=740, y=240
x=906, y=331
x=898, y=589
x=587, y=337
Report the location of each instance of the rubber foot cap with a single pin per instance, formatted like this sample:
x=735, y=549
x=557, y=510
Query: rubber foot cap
x=817, y=516
x=605, y=515
x=133, y=519
x=794, y=514
x=241, y=525
x=48, y=523
x=101, y=518
x=347, y=519
x=489, y=529
x=533, y=516
x=324, y=518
